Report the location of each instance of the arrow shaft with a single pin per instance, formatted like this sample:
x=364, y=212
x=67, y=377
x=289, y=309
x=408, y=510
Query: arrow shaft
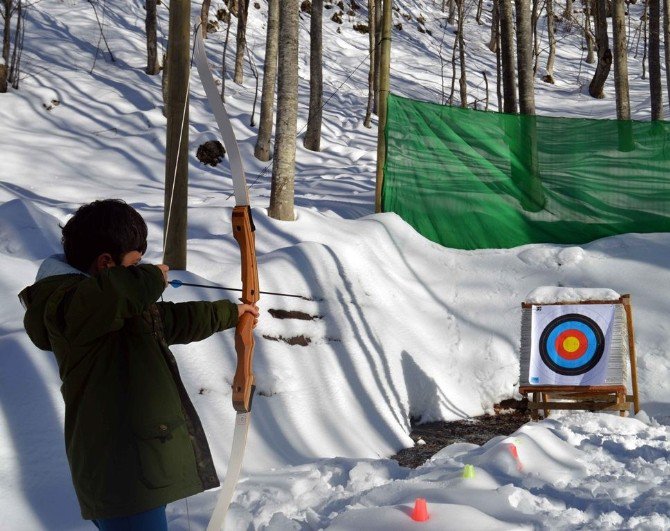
x=176, y=284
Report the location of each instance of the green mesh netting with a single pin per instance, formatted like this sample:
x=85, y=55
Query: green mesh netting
x=471, y=179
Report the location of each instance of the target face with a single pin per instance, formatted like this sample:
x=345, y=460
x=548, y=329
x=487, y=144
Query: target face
x=572, y=344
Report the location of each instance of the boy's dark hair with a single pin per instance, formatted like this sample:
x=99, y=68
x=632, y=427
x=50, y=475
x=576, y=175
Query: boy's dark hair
x=107, y=226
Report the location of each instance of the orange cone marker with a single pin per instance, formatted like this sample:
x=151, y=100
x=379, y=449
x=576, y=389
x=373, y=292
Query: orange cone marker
x=420, y=512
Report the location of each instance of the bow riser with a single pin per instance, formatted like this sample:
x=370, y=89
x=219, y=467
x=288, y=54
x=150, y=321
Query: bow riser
x=243, y=382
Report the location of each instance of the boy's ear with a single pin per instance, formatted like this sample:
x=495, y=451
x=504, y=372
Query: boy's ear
x=102, y=262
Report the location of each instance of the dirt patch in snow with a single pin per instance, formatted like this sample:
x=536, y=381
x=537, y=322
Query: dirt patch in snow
x=509, y=416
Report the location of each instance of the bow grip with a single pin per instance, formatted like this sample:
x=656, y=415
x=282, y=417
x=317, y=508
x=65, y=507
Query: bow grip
x=243, y=382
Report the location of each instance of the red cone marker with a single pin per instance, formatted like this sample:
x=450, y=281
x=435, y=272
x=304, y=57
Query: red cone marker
x=420, y=512
x=515, y=455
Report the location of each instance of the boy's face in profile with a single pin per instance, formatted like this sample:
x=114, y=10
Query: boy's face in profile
x=131, y=258
x=105, y=260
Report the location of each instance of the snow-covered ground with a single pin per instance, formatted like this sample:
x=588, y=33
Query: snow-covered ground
x=402, y=328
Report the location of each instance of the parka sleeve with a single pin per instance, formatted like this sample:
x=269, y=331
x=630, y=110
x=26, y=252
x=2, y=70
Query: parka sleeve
x=185, y=322
x=100, y=303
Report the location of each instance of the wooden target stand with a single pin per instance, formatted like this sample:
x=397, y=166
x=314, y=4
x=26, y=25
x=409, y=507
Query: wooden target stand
x=587, y=398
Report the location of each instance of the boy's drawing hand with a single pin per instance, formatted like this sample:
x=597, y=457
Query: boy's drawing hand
x=164, y=269
x=248, y=308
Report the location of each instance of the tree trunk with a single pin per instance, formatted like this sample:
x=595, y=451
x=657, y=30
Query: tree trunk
x=655, y=89
x=495, y=27
x=176, y=157
x=372, y=30
x=524, y=48
x=645, y=47
x=452, y=12
x=263, y=150
x=242, y=10
x=312, y=139
x=378, y=51
x=384, y=90
x=224, y=68
x=150, y=23
x=535, y=16
x=6, y=30
x=283, y=168
x=620, y=62
x=462, y=80
x=507, y=56
x=567, y=13
x=588, y=34
x=604, y=52
x=525, y=171
x=15, y=66
x=666, y=42
x=499, y=93
x=549, y=78
x=204, y=17
x=164, y=83
x=3, y=78
x=6, y=43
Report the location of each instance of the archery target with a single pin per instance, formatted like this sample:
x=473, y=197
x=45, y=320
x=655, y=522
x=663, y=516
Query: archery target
x=570, y=344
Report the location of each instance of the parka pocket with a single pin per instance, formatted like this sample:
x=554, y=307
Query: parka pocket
x=160, y=448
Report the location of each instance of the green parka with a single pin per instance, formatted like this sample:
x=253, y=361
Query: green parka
x=133, y=439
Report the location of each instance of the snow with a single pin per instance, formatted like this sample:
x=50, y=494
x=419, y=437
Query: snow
x=401, y=328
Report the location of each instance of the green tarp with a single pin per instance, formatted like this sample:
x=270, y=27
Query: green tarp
x=471, y=179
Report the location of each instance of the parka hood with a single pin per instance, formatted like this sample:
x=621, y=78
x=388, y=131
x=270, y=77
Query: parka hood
x=53, y=276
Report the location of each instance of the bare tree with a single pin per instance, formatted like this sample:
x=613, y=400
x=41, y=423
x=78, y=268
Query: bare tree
x=462, y=80
x=478, y=15
x=588, y=33
x=372, y=15
x=655, y=89
x=262, y=150
x=452, y=12
x=525, y=171
x=551, y=35
x=378, y=50
x=176, y=153
x=507, y=56
x=204, y=17
x=495, y=27
x=8, y=10
x=17, y=51
x=604, y=52
x=620, y=61
x=150, y=23
x=312, y=140
x=536, y=12
x=499, y=94
x=224, y=54
x=567, y=13
x=283, y=168
x=242, y=10
x=524, y=52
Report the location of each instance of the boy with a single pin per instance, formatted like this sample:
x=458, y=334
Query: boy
x=133, y=439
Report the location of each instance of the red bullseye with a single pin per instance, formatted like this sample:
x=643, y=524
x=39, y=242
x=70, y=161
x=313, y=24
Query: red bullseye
x=571, y=344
